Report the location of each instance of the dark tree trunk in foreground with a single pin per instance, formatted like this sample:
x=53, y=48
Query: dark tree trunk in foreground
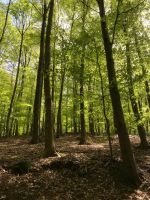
x=16, y=82
x=125, y=146
x=49, y=136
x=140, y=126
x=5, y=24
x=39, y=85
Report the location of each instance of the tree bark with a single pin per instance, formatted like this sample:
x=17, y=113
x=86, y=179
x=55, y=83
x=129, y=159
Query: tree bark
x=67, y=99
x=90, y=110
x=39, y=85
x=82, y=116
x=119, y=122
x=82, y=66
x=75, y=131
x=49, y=136
x=59, y=121
x=104, y=104
x=53, y=82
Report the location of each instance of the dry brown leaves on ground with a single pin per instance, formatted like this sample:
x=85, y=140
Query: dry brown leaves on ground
x=79, y=173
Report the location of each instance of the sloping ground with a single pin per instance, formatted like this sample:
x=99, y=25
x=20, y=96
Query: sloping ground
x=79, y=173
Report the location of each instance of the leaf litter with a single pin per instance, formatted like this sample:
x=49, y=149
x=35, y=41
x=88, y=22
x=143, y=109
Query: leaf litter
x=80, y=172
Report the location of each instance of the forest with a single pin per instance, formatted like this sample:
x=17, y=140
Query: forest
x=74, y=99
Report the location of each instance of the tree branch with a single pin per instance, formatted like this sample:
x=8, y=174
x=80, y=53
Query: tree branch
x=89, y=6
x=115, y=23
x=133, y=8
x=36, y=8
x=120, y=13
x=6, y=19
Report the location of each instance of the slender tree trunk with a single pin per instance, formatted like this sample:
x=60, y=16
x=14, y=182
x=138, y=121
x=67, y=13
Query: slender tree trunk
x=16, y=128
x=66, y=129
x=59, y=121
x=49, y=136
x=53, y=83
x=148, y=92
x=39, y=85
x=5, y=24
x=125, y=146
x=25, y=62
x=90, y=110
x=140, y=126
x=82, y=66
x=16, y=82
x=11, y=127
x=82, y=116
x=28, y=121
x=75, y=131
x=21, y=85
x=104, y=104
x=91, y=120
x=63, y=60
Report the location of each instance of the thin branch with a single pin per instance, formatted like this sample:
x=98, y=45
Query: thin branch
x=89, y=6
x=36, y=8
x=6, y=19
x=133, y=8
x=120, y=13
x=115, y=23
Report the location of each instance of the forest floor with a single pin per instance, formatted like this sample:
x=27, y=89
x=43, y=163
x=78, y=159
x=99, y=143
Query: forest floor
x=80, y=172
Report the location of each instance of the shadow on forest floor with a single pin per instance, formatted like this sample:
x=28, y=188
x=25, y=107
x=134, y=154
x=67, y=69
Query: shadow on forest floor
x=80, y=173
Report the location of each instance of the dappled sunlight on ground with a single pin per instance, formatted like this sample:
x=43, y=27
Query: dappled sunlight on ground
x=79, y=172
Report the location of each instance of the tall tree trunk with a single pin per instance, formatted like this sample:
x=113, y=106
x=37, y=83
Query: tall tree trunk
x=82, y=66
x=49, y=136
x=119, y=122
x=148, y=92
x=63, y=72
x=82, y=116
x=39, y=84
x=16, y=82
x=53, y=82
x=25, y=62
x=103, y=102
x=140, y=126
x=28, y=121
x=5, y=24
x=75, y=131
x=90, y=110
x=67, y=95
x=59, y=121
